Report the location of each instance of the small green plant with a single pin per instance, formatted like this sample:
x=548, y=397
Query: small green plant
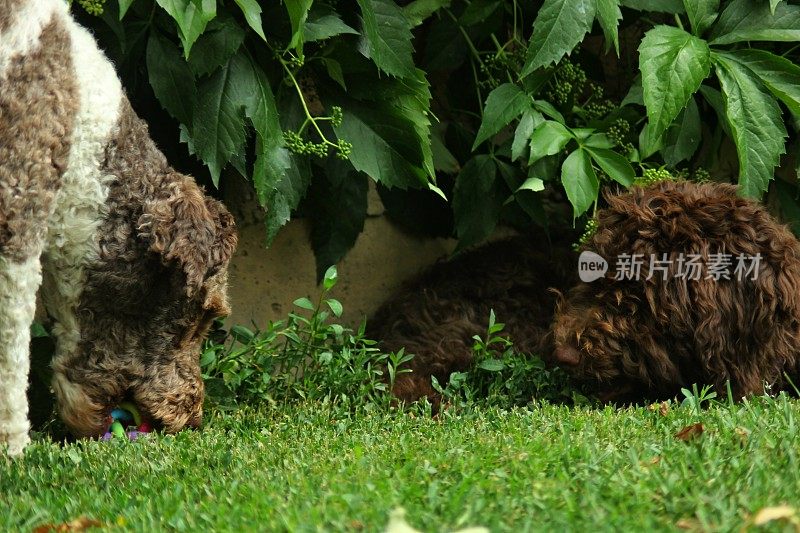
x=503, y=377
x=303, y=358
x=695, y=398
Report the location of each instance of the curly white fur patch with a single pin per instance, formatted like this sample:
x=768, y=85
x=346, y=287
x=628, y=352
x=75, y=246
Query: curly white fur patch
x=72, y=241
x=18, y=283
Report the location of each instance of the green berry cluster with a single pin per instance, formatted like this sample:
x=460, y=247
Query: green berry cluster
x=93, y=7
x=653, y=175
x=296, y=144
x=701, y=175
x=343, y=149
x=588, y=233
x=336, y=116
x=618, y=133
x=569, y=80
x=500, y=66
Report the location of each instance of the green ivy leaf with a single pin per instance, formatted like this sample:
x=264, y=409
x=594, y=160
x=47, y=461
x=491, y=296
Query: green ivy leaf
x=609, y=15
x=325, y=23
x=522, y=136
x=580, y=181
x=419, y=11
x=755, y=120
x=191, y=17
x=477, y=200
x=616, y=166
x=283, y=197
x=781, y=76
x=674, y=7
x=222, y=38
x=701, y=13
x=504, y=104
x=548, y=138
x=683, y=138
x=170, y=77
x=673, y=64
x=298, y=12
x=387, y=37
x=753, y=20
x=252, y=14
x=339, y=202
x=559, y=26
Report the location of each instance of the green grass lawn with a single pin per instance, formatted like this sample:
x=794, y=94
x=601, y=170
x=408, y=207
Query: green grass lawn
x=544, y=468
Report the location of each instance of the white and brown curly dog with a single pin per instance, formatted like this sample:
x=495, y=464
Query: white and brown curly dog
x=131, y=255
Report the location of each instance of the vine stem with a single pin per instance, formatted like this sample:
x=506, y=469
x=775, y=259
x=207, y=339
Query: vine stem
x=309, y=118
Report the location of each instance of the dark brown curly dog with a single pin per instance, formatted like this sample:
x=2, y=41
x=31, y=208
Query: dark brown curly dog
x=436, y=315
x=643, y=338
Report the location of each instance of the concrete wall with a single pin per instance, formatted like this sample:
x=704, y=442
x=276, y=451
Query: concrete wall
x=265, y=281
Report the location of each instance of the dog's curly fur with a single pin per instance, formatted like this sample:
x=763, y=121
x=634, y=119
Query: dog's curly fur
x=646, y=339
x=131, y=256
x=436, y=315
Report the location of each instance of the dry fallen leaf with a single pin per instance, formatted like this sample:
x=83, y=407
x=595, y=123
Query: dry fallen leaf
x=79, y=524
x=768, y=514
x=690, y=432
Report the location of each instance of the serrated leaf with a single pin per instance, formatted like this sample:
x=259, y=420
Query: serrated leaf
x=559, y=26
x=547, y=109
x=192, y=16
x=285, y=195
x=339, y=203
x=323, y=24
x=648, y=143
x=221, y=99
x=298, y=12
x=477, y=200
x=781, y=76
x=673, y=65
x=755, y=119
x=548, y=138
x=390, y=134
x=701, y=13
x=656, y=6
x=522, y=135
x=386, y=37
x=252, y=14
x=580, y=181
x=420, y=10
x=504, y=104
x=683, y=138
x=222, y=38
x=609, y=15
x=170, y=77
x=752, y=20
x=616, y=166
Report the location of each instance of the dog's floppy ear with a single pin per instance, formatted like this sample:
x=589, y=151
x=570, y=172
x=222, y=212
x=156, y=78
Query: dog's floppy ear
x=188, y=229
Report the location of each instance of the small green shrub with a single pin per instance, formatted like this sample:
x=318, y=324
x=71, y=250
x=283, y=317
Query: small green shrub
x=301, y=358
x=503, y=377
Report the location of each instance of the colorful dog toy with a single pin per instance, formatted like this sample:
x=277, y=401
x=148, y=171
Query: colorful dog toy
x=126, y=421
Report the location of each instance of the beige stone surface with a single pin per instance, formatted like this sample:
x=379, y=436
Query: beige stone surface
x=265, y=281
